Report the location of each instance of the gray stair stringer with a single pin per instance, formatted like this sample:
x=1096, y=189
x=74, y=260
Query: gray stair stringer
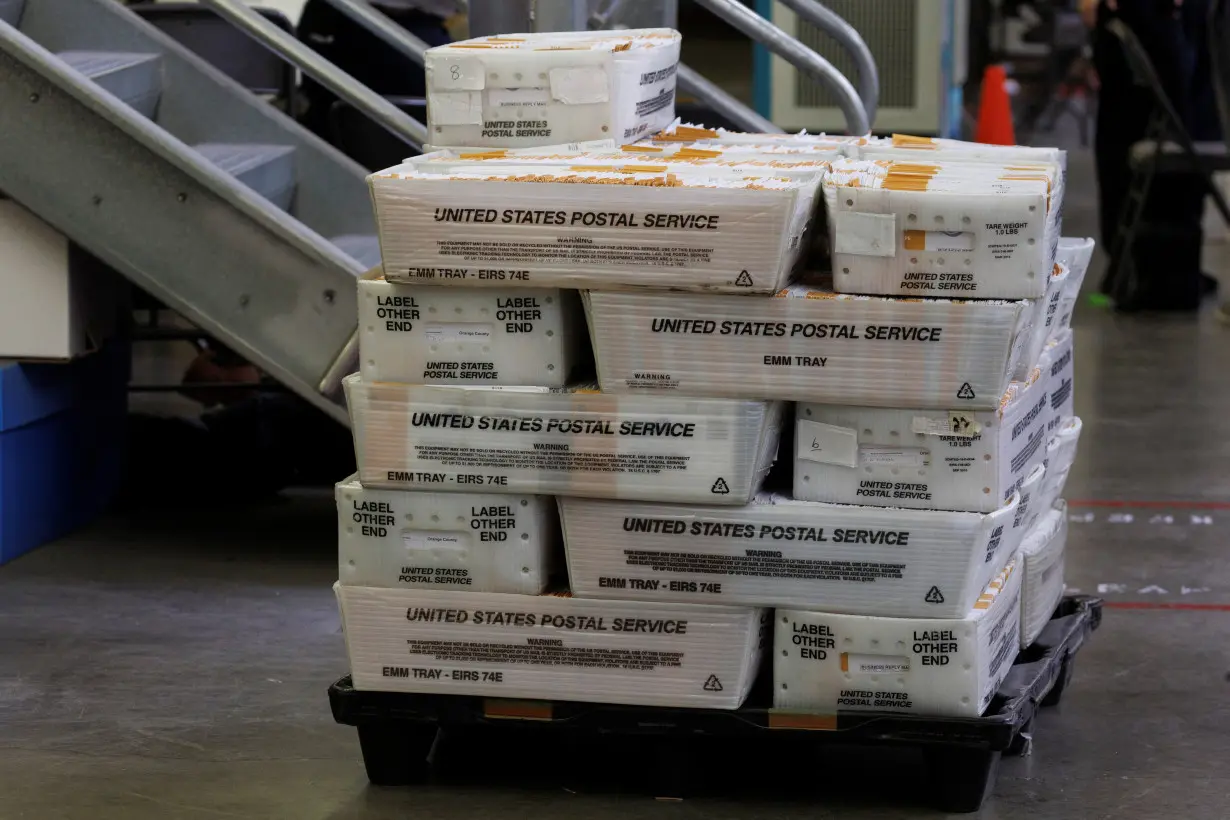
x=201, y=104
x=157, y=211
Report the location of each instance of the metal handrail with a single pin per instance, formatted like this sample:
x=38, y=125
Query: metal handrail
x=324, y=72
x=800, y=56
x=601, y=16
x=689, y=80
x=384, y=28
x=849, y=39
x=694, y=83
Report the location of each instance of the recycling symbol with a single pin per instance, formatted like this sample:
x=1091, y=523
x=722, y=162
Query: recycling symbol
x=744, y=280
x=934, y=596
x=966, y=392
x=713, y=684
x=720, y=487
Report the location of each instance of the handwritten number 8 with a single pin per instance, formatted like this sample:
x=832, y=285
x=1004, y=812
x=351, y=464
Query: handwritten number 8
x=455, y=72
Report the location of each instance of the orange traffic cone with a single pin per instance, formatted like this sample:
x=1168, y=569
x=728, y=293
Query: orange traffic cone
x=995, y=109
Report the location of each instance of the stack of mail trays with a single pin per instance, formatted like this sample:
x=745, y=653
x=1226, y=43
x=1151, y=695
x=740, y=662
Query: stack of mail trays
x=578, y=361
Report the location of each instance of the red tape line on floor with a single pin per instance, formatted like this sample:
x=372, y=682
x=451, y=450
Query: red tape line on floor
x=1173, y=505
x=1166, y=605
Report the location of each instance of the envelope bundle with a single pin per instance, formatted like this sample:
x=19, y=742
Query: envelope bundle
x=978, y=230
x=518, y=530
x=441, y=335
x=810, y=344
x=856, y=559
x=1042, y=553
x=545, y=89
x=479, y=542
x=679, y=132
x=967, y=460
x=551, y=226
x=551, y=647
x=474, y=405
x=570, y=441
x=829, y=662
x=923, y=149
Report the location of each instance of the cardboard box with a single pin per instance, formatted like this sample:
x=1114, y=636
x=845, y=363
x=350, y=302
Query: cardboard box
x=561, y=442
x=809, y=344
x=544, y=227
x=1042, y=584
x=781, y=553
x=949, y=229
x=56, y=301
x=551, y=647
x=468, y=542
x=919, y=459
x=420, y=334
x=825, y=662
x=518, y=90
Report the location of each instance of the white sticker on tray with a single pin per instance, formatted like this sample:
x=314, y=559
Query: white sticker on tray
x=874, y=664
x=518, y=97
x=580, y=85
x=426, y=540
x=866, y=234
x=456, y=107
x=893, y=457
x=955, y=423
x=826, y=443
x=458, y=332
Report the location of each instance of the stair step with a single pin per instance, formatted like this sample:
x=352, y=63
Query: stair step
x=10, y=11
x=131, y=76
x=267, y=169
x=363, y=247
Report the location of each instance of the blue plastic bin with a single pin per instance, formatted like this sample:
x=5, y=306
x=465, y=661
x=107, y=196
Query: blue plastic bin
x=62, y=445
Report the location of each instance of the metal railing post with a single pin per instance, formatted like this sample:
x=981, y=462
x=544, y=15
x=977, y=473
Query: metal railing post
x=798, y=55
x=849, y=39
x=693, y=82
x=714, y=97
x=324, y=72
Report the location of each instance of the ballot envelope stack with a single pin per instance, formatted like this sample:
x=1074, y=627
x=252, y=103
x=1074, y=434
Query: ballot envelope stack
x=591, y=330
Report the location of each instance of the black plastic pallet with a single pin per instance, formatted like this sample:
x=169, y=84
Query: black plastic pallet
x=962, y=755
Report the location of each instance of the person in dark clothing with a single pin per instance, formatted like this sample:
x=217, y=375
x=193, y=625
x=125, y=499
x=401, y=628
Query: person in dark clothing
x=367, y=58
x=1174, y=35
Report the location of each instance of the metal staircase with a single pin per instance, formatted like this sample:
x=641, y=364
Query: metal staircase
x=221, y=206
x=186, y=183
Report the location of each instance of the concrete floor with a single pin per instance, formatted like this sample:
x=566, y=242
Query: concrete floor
x=175, y=666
